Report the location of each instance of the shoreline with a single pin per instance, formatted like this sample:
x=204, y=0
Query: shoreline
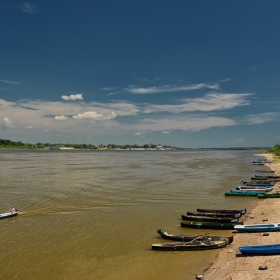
x=230, y=264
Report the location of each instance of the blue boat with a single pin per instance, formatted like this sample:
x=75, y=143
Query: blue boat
x=242, y=193
x=273, y=249
x=258, y=227
x=8, y=215
x=260, y=184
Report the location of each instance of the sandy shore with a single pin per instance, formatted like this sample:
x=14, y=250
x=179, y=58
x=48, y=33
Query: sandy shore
x=230, y=264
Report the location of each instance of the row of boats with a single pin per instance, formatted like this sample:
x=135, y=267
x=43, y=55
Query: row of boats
x=202, y=218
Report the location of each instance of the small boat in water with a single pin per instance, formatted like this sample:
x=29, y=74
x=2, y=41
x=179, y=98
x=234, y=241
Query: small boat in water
x=183, y=237
x=217, y=214
x=264, y=171
x=210, y=219
x=269, y=195
x=9, y=214
x=242, y=212
x=193, y=245
x=210, y=225
x=252, y=189
x=272, y=249
x=260, y=184
x=239, y=193
x=258, y=227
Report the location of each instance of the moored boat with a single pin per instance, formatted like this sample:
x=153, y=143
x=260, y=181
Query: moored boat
x=242, y=211
x=257, y=189
x=210, y=225
x=217, y=214
x=183, y=237
x=210, y=219
x=250, y=193
x=260, y=184
x=264, y=171
x=258, y=227
x=271, y=249
x=194, y=245
x=269, y=195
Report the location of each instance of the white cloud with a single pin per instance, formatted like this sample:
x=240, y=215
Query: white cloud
x=9, y=82
x=28, y=127
x=210, y=102
x=94, y=115
x=78, y=96
x=29, y=8
x=61, y=118
x=150, y=90
x=166, y=132
x=7, y=123
x=138, y=133
x=262, y=118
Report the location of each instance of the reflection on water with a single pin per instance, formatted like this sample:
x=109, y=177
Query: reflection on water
x=94, y=215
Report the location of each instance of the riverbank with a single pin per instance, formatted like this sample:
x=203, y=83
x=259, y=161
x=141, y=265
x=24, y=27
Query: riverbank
x=230, y=264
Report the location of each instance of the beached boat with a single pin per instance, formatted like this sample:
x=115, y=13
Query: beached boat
x=272, y=249
x=260, y=184
x=194, y=245
x=250, y=193
x=183, y=237
x=258, y=163
x=258, y=227
x=267, y=176
x=209, y=225
x=264, y=171
x=8, y=215
x=269, y=195
x=252, y=189
x=217, y=214
x=210, y=219
x=242, y=211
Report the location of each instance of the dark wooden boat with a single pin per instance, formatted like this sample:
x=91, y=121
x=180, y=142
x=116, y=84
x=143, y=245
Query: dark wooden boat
x=209, y=225
x=228, y=214
x=242, y=212
x=269, y=195
x=183, y=237
x=210, y=219
x=264, y=171
x=267, y=176
x=194, y=245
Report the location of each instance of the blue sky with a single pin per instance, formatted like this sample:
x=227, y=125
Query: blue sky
x=192, y=74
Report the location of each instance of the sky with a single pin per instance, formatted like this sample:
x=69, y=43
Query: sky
x=184, y=73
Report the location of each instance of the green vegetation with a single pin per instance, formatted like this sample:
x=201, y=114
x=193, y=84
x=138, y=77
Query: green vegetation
x=275, y=150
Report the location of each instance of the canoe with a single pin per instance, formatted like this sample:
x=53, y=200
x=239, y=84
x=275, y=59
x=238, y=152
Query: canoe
x=267, y=176
x=269, y=195
x=209, y=225
x=261, y=190
x=242, y=193
x=251, y=187
x=258, y=227
x=242, y=212
x=183, y=237
x=272, y=249
x=193, y=245
x=8, y=215
x=258, y=163
x=210, y=219
x=227, y=214
x=264, y=171
x=260, y=184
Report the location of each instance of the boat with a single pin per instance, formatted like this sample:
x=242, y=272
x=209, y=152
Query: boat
x=250, y=193
x=228, y=214
x=8, y=214
x=267, y=176
x=258, y=163
x=252, y=189
x=242, y=212
x=260, y=184
x=183, y=237
x=193, y=245
x=258, y=227
x=210, y=225
x=269, y=195
x=264, y=171
x=272, y=249
x=210, y=219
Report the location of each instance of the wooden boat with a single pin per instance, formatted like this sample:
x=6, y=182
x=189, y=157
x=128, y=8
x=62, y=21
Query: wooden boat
x=250, y=193
x=209, y=219
x=267, y=176
x=258, y=227
x=259, y=179
x=272, y=249
x=264, y=171
x=207, y=214
x=258, y=163
x=8, y=215
x=209, y=225
x=269, y=195
x=252, y=189
x=194, y=245
x=242, y=212
x=183, y=237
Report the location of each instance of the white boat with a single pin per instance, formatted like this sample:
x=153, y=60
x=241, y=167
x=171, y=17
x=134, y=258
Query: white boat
x=9, y=214
x=259, y=190
x=258, y=227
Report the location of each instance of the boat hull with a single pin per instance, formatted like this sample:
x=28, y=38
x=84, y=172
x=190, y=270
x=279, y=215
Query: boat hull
x=243, y=211
x=210, y=219
x=273, y=249
x=257, y=228
x=8, y=215
x=208, y=225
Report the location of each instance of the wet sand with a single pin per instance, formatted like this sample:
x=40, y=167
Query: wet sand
x=230, y=264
